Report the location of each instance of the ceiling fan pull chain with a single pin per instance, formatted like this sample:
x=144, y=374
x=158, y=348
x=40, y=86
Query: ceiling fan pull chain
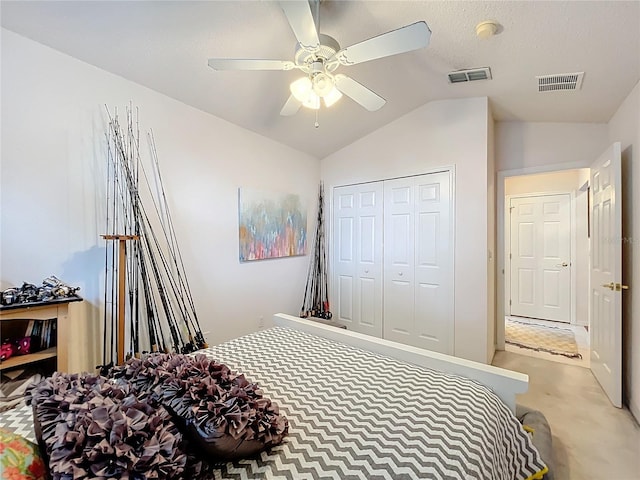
x=317, y=124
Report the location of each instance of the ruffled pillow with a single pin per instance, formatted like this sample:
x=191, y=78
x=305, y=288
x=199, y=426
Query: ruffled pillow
x=90, y=426
x=222, y=412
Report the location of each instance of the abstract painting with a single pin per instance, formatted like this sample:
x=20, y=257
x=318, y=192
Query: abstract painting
x=272, y=225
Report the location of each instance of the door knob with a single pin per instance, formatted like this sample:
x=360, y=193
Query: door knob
x=366, y=271
x=616, y=286
x=400, y=274
x=563, y=264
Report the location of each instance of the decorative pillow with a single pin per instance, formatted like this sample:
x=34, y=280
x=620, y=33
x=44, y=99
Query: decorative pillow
x=23, y=346
x=19, y=458
x=534, y=422
x=220, y=411
x=89, y=426
x=7, y=350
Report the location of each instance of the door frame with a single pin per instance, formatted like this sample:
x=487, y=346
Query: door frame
x=501, y=292
x=572, y=241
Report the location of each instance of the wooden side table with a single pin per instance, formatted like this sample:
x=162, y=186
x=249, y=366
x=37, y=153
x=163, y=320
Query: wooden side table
x=21, y=313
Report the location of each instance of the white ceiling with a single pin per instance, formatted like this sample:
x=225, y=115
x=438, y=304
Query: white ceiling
x=165, y=45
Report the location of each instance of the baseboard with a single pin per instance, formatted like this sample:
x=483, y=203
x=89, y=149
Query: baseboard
x=634, y=408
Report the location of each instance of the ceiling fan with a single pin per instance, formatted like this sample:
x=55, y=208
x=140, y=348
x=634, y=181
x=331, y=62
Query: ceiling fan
x=319, y=56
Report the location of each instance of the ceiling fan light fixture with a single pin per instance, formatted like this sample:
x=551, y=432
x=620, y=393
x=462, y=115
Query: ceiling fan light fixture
x=332, y=97
x=312, y=101
x=322, y=84
x=301, y=89
x=309, y=91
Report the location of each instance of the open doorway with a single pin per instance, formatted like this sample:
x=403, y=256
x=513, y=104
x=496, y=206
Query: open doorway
x=546, y=266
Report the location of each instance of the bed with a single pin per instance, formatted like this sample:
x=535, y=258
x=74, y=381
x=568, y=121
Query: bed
x=365, y=408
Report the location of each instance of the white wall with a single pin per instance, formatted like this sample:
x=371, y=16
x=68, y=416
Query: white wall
x=624, y=127
x=52, y=191
x=558, y=182
x=438, y=134
x=521, y=145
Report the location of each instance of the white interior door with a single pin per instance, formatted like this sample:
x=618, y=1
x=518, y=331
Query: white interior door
x=606, y=273
x=540, y=254
x=418, y=262
x=358, y=257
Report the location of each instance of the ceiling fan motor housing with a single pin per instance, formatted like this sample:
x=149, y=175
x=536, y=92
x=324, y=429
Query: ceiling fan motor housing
x=306, y=58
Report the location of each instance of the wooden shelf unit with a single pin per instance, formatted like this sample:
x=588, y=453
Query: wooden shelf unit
x=21, y=360
x=58, y=310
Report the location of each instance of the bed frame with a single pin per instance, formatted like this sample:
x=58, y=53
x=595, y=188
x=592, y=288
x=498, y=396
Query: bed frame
x=504, y=383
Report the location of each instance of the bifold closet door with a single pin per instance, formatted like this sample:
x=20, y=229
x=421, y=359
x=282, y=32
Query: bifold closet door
x=357, y=234
x=418, y=262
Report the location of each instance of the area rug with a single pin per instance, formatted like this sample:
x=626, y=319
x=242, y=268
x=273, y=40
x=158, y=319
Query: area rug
x=541, y=338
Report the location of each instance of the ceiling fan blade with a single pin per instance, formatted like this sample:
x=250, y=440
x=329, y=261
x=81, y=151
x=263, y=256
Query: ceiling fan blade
x=405, y=39
x=247, y=64
x=298, y=12
x=291, y=107
x=359, y=93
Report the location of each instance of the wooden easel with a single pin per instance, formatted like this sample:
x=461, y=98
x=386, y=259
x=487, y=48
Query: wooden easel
x=122, y=280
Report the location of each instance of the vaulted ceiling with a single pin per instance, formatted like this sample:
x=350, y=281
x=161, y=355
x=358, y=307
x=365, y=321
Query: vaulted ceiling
x=165, y=45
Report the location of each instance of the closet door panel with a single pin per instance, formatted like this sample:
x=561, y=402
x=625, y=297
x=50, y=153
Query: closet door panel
x=368, y=301
x=369, y=266
x=399, y=239
x=399, y=314
x=418, y=295
x=428, y=332
x=434, y=263
x=368, y=239
x=345, y=298
x=345, y=235
x=358, y=257
x=399, y=260
x=345, y=240
x=370, y=273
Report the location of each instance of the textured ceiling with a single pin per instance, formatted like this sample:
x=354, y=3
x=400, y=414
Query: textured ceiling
x=165, y=45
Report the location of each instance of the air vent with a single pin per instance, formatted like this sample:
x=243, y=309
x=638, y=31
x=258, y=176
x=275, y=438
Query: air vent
x=562, y=81
x=470, y=75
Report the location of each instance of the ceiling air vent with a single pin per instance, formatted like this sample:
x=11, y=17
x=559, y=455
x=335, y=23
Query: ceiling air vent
x=562, y=81
x=470, y=75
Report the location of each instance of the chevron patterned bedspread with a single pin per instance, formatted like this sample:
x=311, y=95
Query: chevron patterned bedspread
x=356, y=415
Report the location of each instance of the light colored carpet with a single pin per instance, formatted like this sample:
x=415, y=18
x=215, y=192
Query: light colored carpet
x=541, y=338
x=592, y=439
